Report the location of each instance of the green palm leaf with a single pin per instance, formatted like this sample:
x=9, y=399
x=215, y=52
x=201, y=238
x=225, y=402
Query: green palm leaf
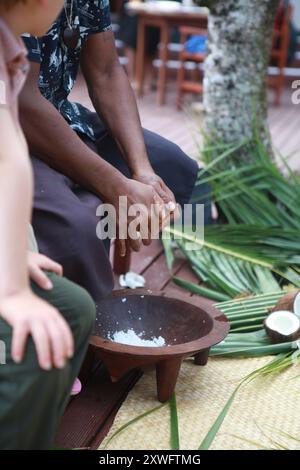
x=175, y=445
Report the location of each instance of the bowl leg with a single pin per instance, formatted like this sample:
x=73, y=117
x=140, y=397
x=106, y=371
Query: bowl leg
x=166, y=377
x=201, y=358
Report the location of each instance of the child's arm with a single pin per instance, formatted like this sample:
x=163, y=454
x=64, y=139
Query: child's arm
x=15, y=206
x=19, y=306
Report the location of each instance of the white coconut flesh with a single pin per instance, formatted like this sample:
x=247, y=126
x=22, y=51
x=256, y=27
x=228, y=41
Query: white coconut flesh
x=296, y=307
x=283, y=322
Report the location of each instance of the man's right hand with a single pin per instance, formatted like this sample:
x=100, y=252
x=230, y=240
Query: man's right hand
x=152, y=214
x=27, y=314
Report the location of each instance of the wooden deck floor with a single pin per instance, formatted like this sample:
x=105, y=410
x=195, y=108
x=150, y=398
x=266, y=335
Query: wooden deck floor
x=90, y=415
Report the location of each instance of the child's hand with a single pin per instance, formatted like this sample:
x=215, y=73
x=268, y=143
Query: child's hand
x=36, y=264
x=27, y=314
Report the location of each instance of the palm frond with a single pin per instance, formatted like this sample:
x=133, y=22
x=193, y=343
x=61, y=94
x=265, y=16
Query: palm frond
x=175, y=443
x=255, y=193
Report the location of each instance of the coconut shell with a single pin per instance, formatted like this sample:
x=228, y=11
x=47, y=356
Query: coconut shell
x=276, y=337
x=287, y=302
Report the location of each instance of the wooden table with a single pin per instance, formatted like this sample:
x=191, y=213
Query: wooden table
x=160, y=15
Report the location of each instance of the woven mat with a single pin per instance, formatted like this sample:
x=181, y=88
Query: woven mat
x=262, y=410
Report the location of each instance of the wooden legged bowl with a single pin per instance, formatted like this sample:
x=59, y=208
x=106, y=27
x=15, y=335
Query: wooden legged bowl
x=188, y=330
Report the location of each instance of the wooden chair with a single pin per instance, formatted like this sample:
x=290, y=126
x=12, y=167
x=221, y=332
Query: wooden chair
x=183, y=84
x=280, y=47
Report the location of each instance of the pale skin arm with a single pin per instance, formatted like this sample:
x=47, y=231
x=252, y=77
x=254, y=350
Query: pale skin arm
x=15, y=173
x=26, y=313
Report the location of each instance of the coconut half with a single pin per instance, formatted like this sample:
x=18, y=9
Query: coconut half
x=290, y=302
x=282, y=326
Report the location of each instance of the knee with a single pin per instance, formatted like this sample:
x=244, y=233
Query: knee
x=165, y=155
x=75, y=305
x=83, y=311
x=184, y=166
x=203, y=188
x=86, y=306
x=163, y=151
x=179, y=160
x=202, y=195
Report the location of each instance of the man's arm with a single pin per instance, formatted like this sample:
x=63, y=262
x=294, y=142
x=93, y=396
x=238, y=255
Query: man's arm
x=114, y=101
x=51, y=139
x=113, y=98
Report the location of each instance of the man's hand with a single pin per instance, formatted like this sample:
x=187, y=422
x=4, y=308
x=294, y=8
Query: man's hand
x=152, y=179
x=151, y=213
x=27, y=314
x=37, y=264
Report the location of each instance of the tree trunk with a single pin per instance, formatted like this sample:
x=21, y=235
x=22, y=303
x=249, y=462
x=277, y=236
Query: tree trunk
x=235, y=91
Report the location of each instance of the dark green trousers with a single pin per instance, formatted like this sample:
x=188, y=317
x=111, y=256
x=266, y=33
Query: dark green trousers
x=32, y=400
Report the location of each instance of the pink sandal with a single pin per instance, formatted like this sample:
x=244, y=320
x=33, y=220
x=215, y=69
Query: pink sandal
x=77, y=387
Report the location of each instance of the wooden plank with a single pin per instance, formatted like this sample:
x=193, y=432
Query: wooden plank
x=289, y=134
x=282, y=122
x=158, y=275
x=87, y=414
x=186, y=273
x=140, y=261
x=99, y=437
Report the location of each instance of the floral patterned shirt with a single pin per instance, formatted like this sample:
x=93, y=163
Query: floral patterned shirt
x=59, y=63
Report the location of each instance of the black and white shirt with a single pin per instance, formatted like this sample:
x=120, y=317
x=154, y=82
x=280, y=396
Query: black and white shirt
x=59, y=64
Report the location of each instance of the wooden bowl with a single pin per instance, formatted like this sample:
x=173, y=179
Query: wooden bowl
x=188, y=330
